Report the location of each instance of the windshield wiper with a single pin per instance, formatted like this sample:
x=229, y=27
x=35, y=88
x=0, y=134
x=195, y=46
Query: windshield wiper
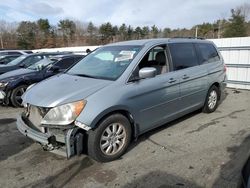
x=85, y=75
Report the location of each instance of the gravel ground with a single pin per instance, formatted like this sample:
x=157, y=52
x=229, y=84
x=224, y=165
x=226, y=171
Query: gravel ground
x=198, y=150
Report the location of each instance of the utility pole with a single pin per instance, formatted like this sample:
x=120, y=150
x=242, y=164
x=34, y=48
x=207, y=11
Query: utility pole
x=196, y=32
x=1, y=40
x=219, y=29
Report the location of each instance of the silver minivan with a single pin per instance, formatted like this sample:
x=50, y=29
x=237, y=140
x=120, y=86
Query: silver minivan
x=119, y=92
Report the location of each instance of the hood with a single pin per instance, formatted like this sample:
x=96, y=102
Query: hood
x=16, y=74
x=6, y=68
x=62, y=89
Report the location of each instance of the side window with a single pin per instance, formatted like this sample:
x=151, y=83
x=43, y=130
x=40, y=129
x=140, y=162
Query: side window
x=31, y=60
x=78, y=59
x=183, y=55
x=14, y=53
x=65, y=63
x=3, y=53
x=208, y=53
x=156, y=58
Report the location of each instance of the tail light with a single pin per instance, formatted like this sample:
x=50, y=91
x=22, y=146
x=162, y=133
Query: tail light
x=225, y=68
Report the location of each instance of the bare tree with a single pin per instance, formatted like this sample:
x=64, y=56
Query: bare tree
x=245, y=10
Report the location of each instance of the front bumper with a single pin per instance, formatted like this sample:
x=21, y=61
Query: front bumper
x=223, y=85
x=2, y=95
x=73, y=139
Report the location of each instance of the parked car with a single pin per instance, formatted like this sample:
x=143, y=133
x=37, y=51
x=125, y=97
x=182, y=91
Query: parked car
x=7, y=58
x=121, y=91
x=15, y=52
x=14, y=83
x=25, y=61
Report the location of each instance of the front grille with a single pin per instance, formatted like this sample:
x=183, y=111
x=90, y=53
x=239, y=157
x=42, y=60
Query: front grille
x=35, y=115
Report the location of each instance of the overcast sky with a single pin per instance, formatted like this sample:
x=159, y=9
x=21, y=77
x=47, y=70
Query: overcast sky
x=162, y=13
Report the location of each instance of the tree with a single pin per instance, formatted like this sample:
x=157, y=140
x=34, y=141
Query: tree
x=43, y=25
x=166, y=32
x=123, y=32
x=245, y=10
x=154, y=31
x=26, y=34
x=138, y=32
x=205, y=30
x=106, y=31
x=43, y=32
x=130, y=32
x=68, y=28
x=51, y=38
x=145, y=32
x=91, y=30
x=236, y=26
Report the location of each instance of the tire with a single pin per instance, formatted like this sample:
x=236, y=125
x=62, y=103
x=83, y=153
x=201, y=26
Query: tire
x=116, y=133
x=212, y=100
x=15, y=97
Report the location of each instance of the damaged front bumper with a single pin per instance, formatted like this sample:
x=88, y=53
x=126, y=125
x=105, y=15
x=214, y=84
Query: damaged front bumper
x=71, y=145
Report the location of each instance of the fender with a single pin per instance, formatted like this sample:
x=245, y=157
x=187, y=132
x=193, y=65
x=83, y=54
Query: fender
x=118, y=109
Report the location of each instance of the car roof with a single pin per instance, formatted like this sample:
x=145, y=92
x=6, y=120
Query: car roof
x=158, y=40
x=67, y=55
x=14, y=55
x=48, y=53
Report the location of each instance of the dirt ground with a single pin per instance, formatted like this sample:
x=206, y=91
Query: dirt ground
x=198, y=150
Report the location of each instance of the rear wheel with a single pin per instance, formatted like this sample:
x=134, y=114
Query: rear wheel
x=212, y=100
x=16, y=95
x=110, y=139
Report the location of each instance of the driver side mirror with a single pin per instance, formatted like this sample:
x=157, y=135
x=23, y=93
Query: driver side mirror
x=22, y=66
x=147, y=72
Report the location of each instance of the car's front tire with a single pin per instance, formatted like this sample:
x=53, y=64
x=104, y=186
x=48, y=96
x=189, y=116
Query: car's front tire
x=15, y=97
x=110, y=139
x=212, y=100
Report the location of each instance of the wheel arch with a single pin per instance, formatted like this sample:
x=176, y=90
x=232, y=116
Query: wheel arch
x=124, y=112
x=216, y=84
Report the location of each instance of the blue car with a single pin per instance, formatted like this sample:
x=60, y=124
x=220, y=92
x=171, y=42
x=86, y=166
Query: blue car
x=14, y=83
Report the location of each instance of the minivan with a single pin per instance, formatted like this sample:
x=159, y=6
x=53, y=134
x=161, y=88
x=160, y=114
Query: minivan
x=121, y=91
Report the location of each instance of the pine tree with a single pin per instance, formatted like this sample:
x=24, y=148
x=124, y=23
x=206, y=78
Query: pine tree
x=236, y=26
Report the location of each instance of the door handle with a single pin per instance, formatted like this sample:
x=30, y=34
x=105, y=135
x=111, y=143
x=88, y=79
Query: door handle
x=171, y=80
x=184, y=77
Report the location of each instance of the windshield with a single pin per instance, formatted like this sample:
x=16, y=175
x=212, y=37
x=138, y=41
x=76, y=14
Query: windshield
x=106, y=63
x=40, y=64
x=17, y=60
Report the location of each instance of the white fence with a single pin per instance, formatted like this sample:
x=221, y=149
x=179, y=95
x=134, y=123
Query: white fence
x=236, y=54
x=76, y=50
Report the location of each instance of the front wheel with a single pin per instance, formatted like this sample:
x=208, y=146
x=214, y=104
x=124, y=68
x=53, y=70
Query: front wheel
x=16, y=95
x=110, y=139
x=212, y=100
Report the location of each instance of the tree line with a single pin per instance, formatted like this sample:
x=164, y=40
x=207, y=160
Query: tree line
x=42, y=34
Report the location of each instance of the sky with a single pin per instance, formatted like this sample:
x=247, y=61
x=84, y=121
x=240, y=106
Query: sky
x=162, y=13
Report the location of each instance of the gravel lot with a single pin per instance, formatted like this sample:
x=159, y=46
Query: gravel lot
x=198, y=150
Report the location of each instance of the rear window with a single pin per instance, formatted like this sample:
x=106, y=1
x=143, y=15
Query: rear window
x=183, y=55
x=208, y=53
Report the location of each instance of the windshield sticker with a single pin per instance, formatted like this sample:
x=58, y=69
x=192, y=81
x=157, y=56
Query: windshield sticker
x=125, y=56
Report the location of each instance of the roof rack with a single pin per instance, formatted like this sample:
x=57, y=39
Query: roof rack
x=200, y=38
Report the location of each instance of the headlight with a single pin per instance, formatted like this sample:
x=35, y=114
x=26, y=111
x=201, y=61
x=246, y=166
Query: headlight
x=64, y=114
x=3, y=84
